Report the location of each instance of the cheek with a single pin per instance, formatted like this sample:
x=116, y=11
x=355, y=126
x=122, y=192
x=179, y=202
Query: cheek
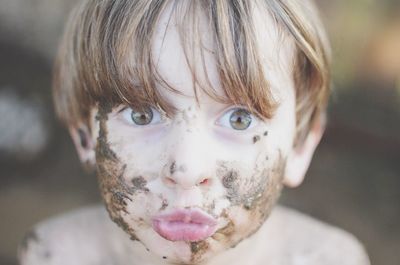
x=128, y=200
x=115, y=192
x=245, y=185
x=243, y=201
x=121, y=189
x=244, y=191
x=252, y=195
x=142, y=151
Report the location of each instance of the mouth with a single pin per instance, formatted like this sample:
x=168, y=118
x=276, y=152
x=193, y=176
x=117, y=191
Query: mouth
x=190, y=225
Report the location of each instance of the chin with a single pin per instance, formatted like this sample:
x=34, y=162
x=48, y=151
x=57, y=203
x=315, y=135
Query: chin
x=181, y=252
x=180, y=241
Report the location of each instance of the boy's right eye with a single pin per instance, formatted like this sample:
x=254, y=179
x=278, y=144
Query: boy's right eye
x=148, y=116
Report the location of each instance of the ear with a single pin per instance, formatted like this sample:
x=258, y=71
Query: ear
x=300, y=158
x=84, y=145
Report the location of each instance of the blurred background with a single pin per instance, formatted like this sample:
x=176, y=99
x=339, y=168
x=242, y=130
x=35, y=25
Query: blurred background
x=353, y=182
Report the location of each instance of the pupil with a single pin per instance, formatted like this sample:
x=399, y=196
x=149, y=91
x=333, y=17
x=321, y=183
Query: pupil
x=142, y=118
x=240, y=119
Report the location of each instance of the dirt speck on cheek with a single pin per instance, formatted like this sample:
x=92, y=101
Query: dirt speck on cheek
x=172, y=168
x=164, y=205
x=182, y=168
x=139, y=184
x=256, y=138
x=229, y=181
x=198, y=249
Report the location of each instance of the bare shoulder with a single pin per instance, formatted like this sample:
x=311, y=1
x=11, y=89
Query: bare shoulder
x=72, y=238
x=306, y=240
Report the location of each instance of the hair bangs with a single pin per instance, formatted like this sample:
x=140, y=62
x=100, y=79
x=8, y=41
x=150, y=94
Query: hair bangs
x=106, y=56
x=112, y=59
x=234, y=49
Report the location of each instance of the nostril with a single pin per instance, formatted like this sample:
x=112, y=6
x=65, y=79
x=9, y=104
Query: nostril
x=205, y=182
x=169, y=181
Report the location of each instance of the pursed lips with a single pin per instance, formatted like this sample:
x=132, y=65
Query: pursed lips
x=190, y=225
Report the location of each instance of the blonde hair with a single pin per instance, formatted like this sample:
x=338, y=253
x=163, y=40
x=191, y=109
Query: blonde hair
x=91, y=65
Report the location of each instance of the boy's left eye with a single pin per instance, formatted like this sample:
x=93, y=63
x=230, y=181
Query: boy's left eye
x=144, y=117
x=238, y=119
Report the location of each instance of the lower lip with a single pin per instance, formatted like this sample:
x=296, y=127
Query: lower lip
x=183, y=231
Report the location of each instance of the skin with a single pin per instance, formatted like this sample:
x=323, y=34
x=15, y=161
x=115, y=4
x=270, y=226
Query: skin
x=194, y=159
x=247, y=196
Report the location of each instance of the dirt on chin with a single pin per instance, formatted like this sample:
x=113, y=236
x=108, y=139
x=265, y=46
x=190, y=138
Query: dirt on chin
x=198, y=249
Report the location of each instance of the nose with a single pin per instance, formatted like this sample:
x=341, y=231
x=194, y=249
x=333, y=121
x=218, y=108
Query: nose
x=189, y=161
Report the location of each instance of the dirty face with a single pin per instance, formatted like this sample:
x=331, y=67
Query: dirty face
x=199, y=182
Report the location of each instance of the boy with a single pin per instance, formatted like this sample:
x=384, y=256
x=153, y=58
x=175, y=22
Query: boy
x=194, y=114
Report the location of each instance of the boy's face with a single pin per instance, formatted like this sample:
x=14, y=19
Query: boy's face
x=201, y=181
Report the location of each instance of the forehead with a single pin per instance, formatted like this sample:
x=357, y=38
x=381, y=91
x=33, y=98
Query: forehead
x=185, y=54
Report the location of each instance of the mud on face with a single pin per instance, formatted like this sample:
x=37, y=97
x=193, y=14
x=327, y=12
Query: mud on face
x=254, y=196
x=247, y=192
x=253, y=192
x=110, y=171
